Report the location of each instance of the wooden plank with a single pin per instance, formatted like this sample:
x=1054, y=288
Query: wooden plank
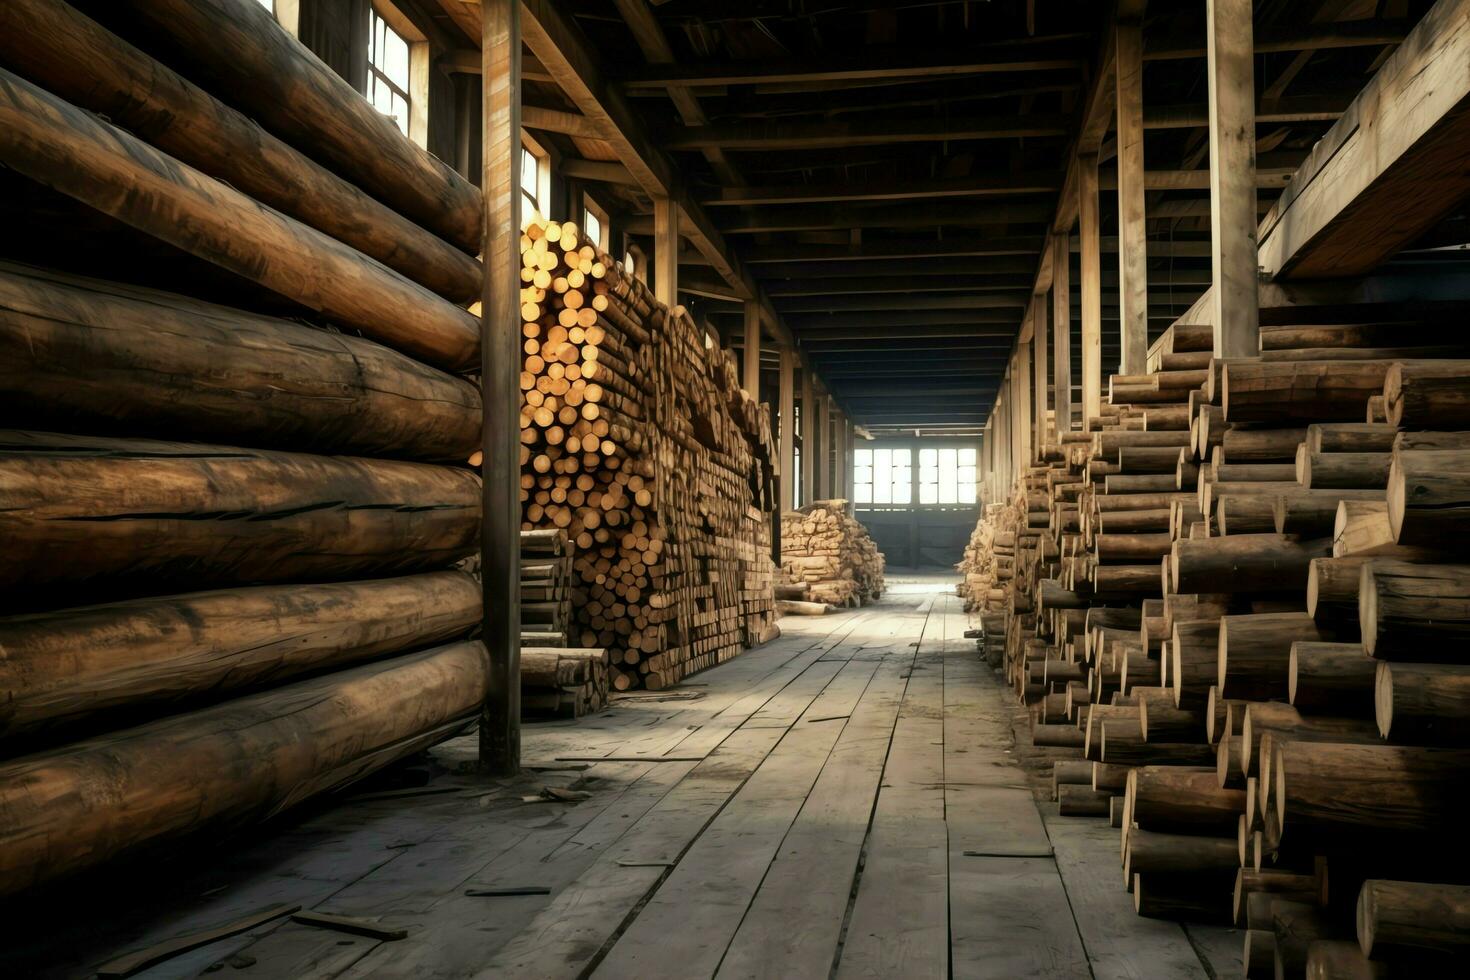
x=1231, y=75
x=786, y=464
x=899, y=921
x=666, y=251
x=1132, y=223
x=1061, y=325
x=1039, y=332
x=808, y=439
x=1091, y=286
x=751, y=354
x=795, y=920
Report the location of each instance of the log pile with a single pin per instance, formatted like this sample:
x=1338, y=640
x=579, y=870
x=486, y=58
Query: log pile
x=563, y=682
x=978, y=585
x=230, y=536
x=1250, y=657
x=831, y=552
x=638, y=442
x=546, y=589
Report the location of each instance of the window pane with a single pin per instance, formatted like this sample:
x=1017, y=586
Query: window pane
x=967, y=457
x=947, y=489
x=883, y=476
x=862, y=457
x=529, y=171
x=396, y=61
x=928, y=493
x=269, y=5
x=863, y=493
x=928, y=457
x=967, y=491
x=593, y=226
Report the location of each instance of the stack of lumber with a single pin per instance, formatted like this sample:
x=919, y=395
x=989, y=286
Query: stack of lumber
x=978, y=585
x=546, y=589
x=638, y=442
x=831, y=552
x=1234, y=615
x=563, y=682
x=227, y=576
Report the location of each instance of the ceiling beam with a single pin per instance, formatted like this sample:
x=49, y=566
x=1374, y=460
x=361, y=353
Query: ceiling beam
x=1307, y=37
x=816, y=286
x=897, y=189
x=824, y=134
x=881, y=301
x=960, y=245
x=824, y=217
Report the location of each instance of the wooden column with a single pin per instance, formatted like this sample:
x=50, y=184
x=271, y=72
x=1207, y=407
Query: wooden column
x=1132, y=231
x=841, y=454
x=822, y=486
x=500, y=361
x=1233, y=223
x=666, y=251
x=753, y=349
x=1038, y=366
x=1091, y=289
x=1061, y=325
x=787, y=442
x=1024, y=415
x=808, y=437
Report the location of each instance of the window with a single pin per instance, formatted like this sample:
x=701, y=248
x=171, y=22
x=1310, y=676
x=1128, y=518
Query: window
x=594, y=223
x=388, y=71
x=882, y=476
x=947, y=476
x=268, y=5
x=530, y=182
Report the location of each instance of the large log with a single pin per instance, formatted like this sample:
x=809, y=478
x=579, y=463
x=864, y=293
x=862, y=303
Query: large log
x=1313, y=513
x=1241, y=445
x=1195, y=650
x=236, y=49
x=1414, y=612
x=1284, y=722
x=1165, y=853
x=74, y=58
x=1414, y=915
x=1426, y=394
x=225, y=767
x=96, y=664
x=1358, y=790
x=75, y=509
x=87, y=355
x=1423, y=704
x=101, y=165
x=1182, y=799
x=1429, y=496
x=1245, y=563
x=1342, y=471
x=1255, y=653
x=1331, y=678
x=1313, y=391
x=1350, y=437
x=1332, y=592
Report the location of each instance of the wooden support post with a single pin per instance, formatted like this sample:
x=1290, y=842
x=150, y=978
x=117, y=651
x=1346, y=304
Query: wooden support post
x=1022, y=375
x=1091, y=289
x=1229, y=40
x=1132, y=231
x=500, y=360
x=666, y=251
x=753, y=348
x=823, y=486
x=1061, y=325
x=808, y=437
x=786, y=410
x=1039, y=366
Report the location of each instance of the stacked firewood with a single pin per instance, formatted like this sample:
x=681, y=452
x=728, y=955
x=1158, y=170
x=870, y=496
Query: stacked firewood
x=228, y=536
x=564, y=682
x=979, y=583
x=1234, y=608
x=546, y=589
x=638, y=442
x=829, y=550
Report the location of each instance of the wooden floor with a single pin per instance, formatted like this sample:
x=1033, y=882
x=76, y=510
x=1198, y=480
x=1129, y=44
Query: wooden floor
x=842, y=802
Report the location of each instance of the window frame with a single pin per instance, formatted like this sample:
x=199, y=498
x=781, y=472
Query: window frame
x=591, y=208
x=949, y=466
x=542, y=204
x=416, y=93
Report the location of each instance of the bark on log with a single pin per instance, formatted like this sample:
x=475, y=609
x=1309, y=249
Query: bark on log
x=87, y=355
x=1296, y=926
x=1244, y=515
x=1314, y=391
x=1424, y=394
x=1261, y=445
x=1057, y=736
x=228, y=766
x=75, y=509
x=1165, y=853
x=1429, y=496
x=1342, y=471
x=1284, y=722
x=1414, y=612
x=1255, y=653
x=1313, y=513
x=1331, y=678
x=1245, y=563
x=238, y=51
x=794, y=607
x=1070, y=772
x=1182, y=799
x=104, y=167
x=94, y=664
x=1415, y=915
x=1081, y=801
x=76, y=59
x=1199, y=898
x=1335, y=959
x=1350, y=437
x=1332, y=592
x=1127, y=748
x=1194, y=647
x=1366, y=789
x=1423, y=704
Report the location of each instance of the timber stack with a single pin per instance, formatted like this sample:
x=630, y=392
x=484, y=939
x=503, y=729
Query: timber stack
x=979, y=585
x=564, y=682
x=546, y=589
x=639, y=444
x=829, y=550
x=1230, y=610
x=231, y=518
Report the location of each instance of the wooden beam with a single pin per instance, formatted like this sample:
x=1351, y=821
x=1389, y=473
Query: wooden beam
x=1091, y=285
x=882, y=301
x=666, y=251
x=1039, y=331
x=1132, y=224
x=822, y=448
x=1061, y=319
x=808, y=437
x=1323, y=108
x=1195, y=180
x=1309, y=37
x=866, y=65
x=500, y=358
x=1390, y=168
x=822, y=134
x=803, y=324
x=856, y=285
x=785, y=467
x=980, y=185
x=556, y=121
x=924, y=248
x=841, y=330
x=1231, y=77
x=824, y=217
x=596, y=170
x=752, y=349
x=929, y=272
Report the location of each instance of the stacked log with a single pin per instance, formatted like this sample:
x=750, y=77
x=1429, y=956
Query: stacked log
x=546, y=589
x=831, y=552
x=1299, y=630
x=977, y=566
x=639, y=444
x=563, y=682
x=229, y=577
